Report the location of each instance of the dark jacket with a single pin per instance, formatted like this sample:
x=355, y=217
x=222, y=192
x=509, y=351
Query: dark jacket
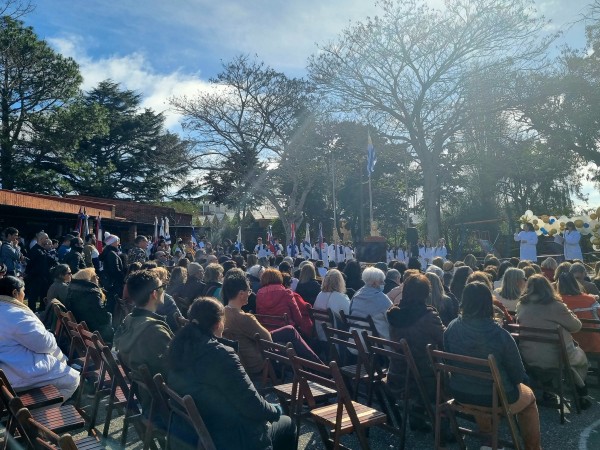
x=39, y=265
x=420, y=325
x=113, y=270
x=235, y=414
x=193, y=288
x=479, y=338
x=84, y=299
x=143, y=338
x=309, y=290
x=75, y=260
x=389, y=285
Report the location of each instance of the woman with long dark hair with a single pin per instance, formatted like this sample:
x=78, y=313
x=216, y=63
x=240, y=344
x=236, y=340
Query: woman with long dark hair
x=235, y=414
x=475, y=333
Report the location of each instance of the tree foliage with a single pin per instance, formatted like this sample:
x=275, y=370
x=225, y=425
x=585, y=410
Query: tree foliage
x=34, y=80
x=408, y=71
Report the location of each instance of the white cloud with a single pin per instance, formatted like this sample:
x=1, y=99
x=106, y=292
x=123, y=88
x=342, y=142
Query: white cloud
x=134, y=72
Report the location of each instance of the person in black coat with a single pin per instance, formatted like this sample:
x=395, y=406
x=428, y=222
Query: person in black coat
x=37, y=272
x=86, y=301
x=74, y=259
x=235, y=414
x=113, y=273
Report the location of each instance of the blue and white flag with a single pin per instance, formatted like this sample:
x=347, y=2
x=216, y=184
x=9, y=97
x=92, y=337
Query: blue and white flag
x=194, y=240
x=306, y=247
x=320, y=240
x=238, y=243
x=167, y=233
x=371, y=156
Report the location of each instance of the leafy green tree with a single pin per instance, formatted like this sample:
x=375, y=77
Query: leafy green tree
x=408, y=71
x=34, y=80
x=103, y=145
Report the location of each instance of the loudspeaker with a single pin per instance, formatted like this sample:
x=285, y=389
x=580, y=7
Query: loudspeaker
x=412, y=236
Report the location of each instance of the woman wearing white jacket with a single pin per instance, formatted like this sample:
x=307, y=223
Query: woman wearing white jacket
x=29, y=355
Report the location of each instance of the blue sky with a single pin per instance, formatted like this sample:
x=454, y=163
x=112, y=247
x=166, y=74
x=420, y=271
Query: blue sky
x=162, y=48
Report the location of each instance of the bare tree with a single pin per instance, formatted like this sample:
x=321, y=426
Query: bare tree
x=407, y=72
x=246, y=130
x=15, y=8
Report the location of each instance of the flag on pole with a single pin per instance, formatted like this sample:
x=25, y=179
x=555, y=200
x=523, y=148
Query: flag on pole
x=270, y=241
x=79, y=221
x=371, y=156
x=238, y=241
x=98, y=233
x=194, y=240
x=155, y=240
x=320, y=240
x=86, y=224
x=293, y=244
x=306, y=248
x=161, y=231
x=167, y=233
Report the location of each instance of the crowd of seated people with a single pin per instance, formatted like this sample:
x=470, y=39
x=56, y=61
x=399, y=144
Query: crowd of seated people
x=181, y=322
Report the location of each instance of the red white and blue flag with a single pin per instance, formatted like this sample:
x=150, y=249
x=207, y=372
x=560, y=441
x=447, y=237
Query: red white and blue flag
x=99, y=233
x=320, y=240
x=270, y=240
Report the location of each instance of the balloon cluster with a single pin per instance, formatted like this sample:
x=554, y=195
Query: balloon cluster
x=550, y=225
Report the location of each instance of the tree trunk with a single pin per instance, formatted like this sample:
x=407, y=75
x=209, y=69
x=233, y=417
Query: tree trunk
x=431, y=197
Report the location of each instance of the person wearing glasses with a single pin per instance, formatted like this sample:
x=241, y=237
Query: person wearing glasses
x=60, y=287
x=143, y=336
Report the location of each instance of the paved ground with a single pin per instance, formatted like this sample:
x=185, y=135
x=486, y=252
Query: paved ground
x=581, y=432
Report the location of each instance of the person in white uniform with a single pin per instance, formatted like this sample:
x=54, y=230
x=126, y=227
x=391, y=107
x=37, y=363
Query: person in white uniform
x=441, y=250
x=426, y=254
x=571, y=242
x=528, y=240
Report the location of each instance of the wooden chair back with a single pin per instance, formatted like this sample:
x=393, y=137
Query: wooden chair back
x=357, y=322
x=274, y=354
x=446, y=365
x=185, y=410
x=378, y=349
x=563, y=372
x=271, y=322
x=319, y=317
x=39, y=437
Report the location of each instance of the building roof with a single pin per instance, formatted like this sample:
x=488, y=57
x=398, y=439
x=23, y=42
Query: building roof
x=29, y=200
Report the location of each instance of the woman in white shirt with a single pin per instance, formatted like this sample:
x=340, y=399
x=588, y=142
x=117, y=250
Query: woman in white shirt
x=426, y=254
x=333, y=296
x=528, y=240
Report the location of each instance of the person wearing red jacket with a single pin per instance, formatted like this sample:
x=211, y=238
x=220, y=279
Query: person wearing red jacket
x=275, y=300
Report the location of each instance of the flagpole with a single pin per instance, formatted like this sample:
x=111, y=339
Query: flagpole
x=370, y=205
x=335, y=233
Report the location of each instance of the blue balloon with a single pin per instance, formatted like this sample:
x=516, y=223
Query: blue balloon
x=552, y=221
x=586, y=225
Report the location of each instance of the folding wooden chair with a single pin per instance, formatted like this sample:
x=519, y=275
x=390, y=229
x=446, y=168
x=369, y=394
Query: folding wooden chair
x=40, y=437
x=343, y=417
x=185, y=409
x=359, y=323
x=33, y=398
x=271, y=322
x=118, y=393
x=446, y=365
x=397, y=404
x=57, y=418
x=156, y=415
x=345, y=348
x=320, y=317
x=562, y=375
x=592, y=326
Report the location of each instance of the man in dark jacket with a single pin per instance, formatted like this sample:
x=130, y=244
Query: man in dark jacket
x=74, y=258
x=37, y=273
x=113, y=273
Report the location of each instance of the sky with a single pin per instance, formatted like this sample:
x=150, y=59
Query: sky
x=171, y=48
